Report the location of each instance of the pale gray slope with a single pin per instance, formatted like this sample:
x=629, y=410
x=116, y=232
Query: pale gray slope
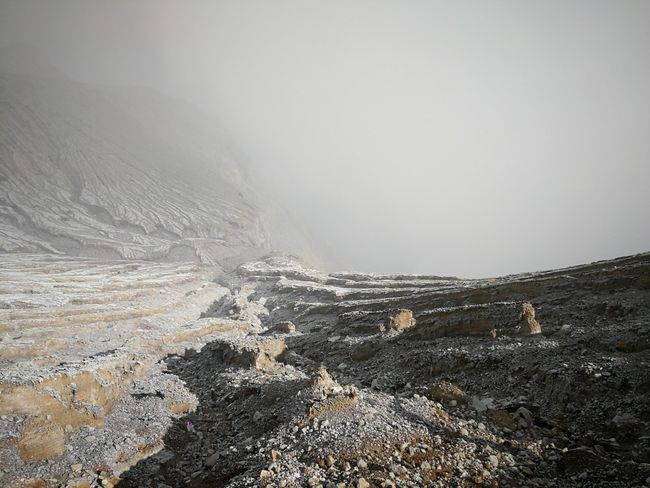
x=121, y=173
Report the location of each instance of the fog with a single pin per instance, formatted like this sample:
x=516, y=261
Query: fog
x=471, y=138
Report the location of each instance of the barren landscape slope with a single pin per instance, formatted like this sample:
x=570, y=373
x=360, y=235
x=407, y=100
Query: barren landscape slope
x=141, y=374
x=120, y=172
x=149, y=338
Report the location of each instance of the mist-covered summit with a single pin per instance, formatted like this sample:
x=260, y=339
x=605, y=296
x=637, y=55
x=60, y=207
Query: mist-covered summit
x=122, y=172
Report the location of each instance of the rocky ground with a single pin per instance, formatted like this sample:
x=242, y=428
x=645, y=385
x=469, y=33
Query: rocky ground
x=314, y=379
x=80, y=345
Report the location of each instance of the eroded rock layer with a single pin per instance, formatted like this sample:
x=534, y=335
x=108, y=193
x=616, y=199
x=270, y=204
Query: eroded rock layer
x=80, y=345
x=281, y=375
x=528, y=380
x=109, y=172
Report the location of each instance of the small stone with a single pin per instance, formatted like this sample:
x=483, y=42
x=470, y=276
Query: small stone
x=265, y=474
x=362, y=483
x=257, y=416
x=425, y=465
x=212, y=460
x=361, y=464
x=624, y=421
x=525, y=417
x=330, y=460
x=284, y=327
x=76, y=468
x=275, y=454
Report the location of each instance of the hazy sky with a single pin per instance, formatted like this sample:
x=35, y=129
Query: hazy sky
x=463, y=137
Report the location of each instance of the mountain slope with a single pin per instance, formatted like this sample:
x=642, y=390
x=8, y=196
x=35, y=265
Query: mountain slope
x=122, y=173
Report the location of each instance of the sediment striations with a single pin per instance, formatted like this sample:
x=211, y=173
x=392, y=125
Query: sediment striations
x=537, y=379
x=89, y=170
x=150, y=374
x=81, y=342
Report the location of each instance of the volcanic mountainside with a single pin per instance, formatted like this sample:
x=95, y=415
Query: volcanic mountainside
x=362, y=380
x=136, y=349
x=125, y=173
x=293, y=377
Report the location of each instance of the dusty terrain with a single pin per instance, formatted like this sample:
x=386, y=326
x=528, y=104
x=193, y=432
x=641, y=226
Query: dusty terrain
x=76, y=335
x=293, y=377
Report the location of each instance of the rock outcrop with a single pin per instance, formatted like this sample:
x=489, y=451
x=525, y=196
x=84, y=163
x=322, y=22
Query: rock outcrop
x=248, y=352
x=500, y=318
x=403, y=319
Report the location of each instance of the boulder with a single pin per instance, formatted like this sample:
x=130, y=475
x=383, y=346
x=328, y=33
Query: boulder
x=248, y=352
x=445, y=392
x=528, y=325
x=324, y=383
x=403, y=319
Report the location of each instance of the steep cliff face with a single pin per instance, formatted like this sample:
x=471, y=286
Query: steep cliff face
x=114, y=172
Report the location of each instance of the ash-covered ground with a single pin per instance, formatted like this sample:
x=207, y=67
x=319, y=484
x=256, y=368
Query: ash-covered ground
x=293, y=377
